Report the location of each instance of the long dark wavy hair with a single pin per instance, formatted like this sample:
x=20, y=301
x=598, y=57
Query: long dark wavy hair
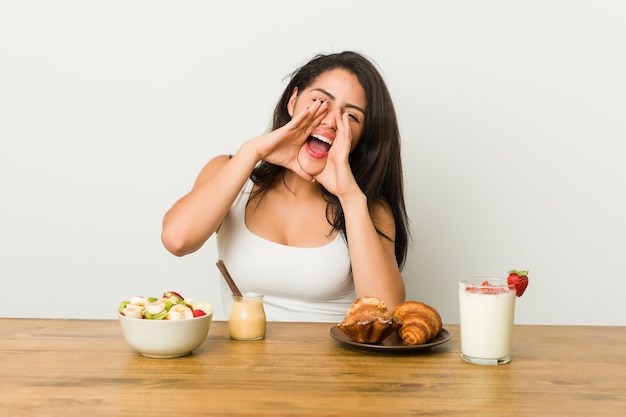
x=375, y=161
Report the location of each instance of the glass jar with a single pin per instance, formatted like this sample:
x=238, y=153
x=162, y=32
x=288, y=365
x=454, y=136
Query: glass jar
x=247, y=317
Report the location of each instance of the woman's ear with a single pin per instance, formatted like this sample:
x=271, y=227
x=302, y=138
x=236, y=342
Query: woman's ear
x=291, y=104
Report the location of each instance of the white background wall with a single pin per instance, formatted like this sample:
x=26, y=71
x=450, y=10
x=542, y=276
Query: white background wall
x=512, y=117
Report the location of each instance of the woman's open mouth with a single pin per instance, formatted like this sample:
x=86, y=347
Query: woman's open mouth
x=318, y=145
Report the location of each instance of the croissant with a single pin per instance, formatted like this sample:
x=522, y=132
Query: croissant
x=420, y=322
x=366, y=309
x=368, y=321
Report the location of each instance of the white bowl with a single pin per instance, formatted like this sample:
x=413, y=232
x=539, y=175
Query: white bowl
x=165, y=338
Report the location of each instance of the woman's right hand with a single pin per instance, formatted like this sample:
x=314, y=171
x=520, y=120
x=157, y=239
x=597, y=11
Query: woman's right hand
x=189, y=223
x=281, y=146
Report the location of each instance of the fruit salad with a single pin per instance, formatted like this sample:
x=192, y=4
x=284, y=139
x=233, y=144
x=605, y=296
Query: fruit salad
x=171, y=306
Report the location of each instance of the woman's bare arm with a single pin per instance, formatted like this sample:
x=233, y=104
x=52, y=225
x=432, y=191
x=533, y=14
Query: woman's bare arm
x=194, y=218
x=374, y=267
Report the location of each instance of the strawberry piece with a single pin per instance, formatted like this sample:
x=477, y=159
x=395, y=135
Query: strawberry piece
x=199, y=313
x=518, y=280
x=173, y=294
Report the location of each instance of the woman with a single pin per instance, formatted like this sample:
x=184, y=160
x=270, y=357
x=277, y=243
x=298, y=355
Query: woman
x=312, y=213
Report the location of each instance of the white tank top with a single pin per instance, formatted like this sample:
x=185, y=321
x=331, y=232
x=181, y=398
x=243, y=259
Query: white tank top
x=298, y=284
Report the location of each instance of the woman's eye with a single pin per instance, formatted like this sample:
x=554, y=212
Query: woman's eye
x=354, y=117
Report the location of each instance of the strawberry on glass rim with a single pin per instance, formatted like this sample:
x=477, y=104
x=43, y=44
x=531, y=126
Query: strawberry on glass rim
x=518, y=280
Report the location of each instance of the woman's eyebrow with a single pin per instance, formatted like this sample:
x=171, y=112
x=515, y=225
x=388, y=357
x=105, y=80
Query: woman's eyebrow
x=326, y=93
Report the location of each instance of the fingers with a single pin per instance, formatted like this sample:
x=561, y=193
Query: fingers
x=320, y=113
x=343, y=140
x=311, y=116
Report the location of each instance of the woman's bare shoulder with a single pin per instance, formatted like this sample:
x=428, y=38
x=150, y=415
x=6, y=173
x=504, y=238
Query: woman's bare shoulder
x=213, y=166
x=382, y=216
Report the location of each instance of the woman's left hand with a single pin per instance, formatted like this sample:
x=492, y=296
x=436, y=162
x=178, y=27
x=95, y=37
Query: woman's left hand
x=337, y=175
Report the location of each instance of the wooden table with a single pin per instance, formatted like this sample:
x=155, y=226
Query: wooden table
x=85, y=368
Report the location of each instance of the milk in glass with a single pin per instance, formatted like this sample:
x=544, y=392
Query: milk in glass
x=486, y=320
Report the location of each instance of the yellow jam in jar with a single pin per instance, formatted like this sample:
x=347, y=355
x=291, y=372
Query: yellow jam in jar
x=247, y=317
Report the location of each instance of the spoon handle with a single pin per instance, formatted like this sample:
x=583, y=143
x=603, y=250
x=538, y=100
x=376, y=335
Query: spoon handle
x=229, y=280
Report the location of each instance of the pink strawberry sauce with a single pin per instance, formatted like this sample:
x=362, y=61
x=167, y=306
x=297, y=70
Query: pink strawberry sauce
x=486, y=288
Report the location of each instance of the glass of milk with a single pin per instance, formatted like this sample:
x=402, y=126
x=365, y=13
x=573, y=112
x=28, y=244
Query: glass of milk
x=486, y=313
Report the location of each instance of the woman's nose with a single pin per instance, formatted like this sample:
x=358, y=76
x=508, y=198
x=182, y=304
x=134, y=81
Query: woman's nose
x=330, y=120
